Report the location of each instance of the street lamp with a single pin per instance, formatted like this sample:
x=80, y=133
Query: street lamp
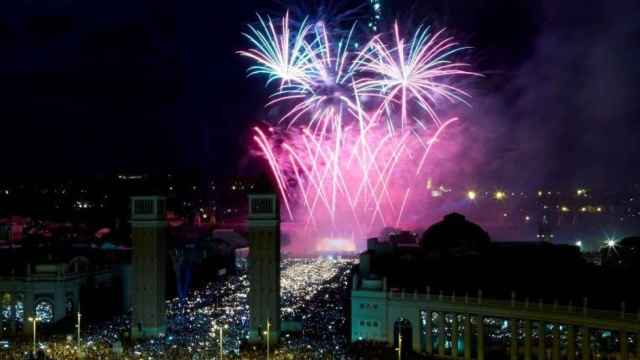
x=78, y=327
x=220, y=328
x=34, y=321
x=399, y=349
x=267, y=333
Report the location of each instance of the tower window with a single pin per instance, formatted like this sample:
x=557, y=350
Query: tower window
x=262, y=206
x=143, y=206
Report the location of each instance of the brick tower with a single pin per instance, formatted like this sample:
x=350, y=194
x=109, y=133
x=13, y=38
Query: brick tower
x=149, y=235
x=264, y=268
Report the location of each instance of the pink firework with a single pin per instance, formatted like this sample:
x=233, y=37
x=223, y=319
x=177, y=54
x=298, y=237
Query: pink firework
x=347, y=160
x=419, y=72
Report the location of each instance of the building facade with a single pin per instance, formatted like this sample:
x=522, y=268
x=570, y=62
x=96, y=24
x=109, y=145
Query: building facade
x=468, y=328
x=47, y=291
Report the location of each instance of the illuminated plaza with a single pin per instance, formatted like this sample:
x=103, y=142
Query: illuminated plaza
x=314, y=295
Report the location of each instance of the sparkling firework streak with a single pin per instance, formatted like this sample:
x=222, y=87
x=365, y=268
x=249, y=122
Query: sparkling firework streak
x=418, y=72
x=347, y=158
x=280, y=55
x=323, y=100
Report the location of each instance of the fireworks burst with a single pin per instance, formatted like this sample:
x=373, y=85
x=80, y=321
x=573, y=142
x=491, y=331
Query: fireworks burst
x=358, y=126
x=418, y=72
x=280, y=55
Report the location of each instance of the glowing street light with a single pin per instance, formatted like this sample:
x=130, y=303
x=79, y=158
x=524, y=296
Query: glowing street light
x=34, y=321
x=579, y=244
x=78, y=327
x=611, y=243
x=267, y=333
x=220, y=329
x=471, y=195
x=399, y=349
x=500, y=195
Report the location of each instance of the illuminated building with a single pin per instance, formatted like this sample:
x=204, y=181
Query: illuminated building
x=458, y=326
x=264, y=268
x=149, y=236
x=459, y=295
x=50, y=287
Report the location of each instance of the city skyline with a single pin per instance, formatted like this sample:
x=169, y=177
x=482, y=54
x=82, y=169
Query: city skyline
x=315, y=179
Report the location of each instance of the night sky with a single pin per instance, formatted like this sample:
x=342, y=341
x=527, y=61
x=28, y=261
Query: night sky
x=102, y=86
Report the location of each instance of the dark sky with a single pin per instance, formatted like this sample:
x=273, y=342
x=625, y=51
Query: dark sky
x=97, y=86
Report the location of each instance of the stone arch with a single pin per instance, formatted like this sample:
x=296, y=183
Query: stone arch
x=78, y=264
x=403, y=327
x=11, y=307
x=44, y=309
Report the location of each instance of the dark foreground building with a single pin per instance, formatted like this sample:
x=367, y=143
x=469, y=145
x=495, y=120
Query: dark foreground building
x=455, y=293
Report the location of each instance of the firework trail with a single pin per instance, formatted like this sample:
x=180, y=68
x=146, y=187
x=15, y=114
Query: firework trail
x=417, y=72
x=357, y=125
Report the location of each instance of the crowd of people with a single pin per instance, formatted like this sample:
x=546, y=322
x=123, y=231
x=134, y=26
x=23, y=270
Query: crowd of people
x=314, y=295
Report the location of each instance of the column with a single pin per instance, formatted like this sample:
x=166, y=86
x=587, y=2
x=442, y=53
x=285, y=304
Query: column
x=481, y=337
x=28, y=303
x=59, y=308
x=586, y=343
x=12, y=314
x=417, y=333
x=429, y=332
x=571, y=342
x=555, y=353
x=514, y=339
x=624, y=345
x=454, y=337
x=467, y=337
x=441, y=333
x=527, y=340
x=541, y=341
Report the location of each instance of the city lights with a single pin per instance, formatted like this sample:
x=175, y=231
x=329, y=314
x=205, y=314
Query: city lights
x=320, y=180
x=313, y=292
